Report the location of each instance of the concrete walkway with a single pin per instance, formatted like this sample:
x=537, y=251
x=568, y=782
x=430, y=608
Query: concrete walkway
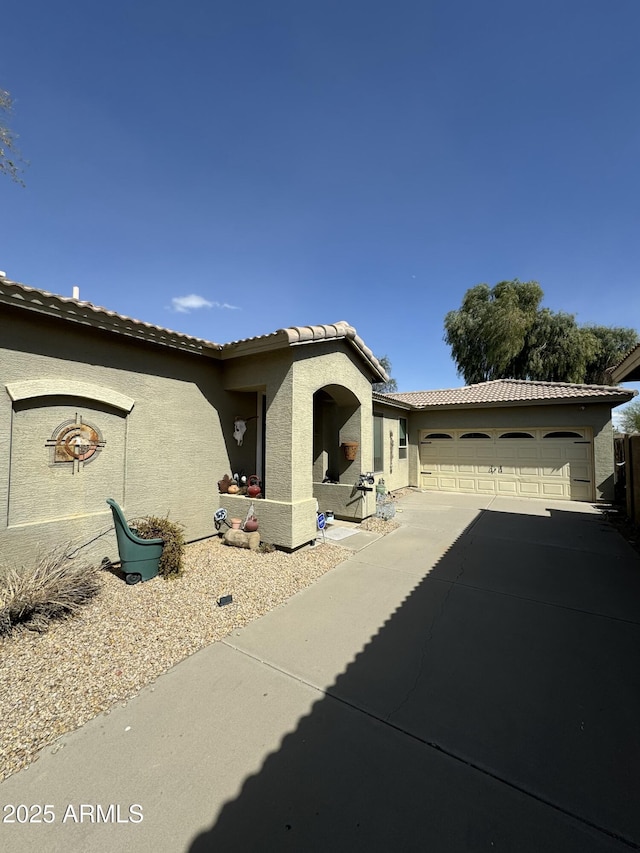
x=469, y=682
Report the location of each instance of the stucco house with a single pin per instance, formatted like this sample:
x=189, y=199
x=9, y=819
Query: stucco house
x=512, y=437
x=94, y=404
x=628, y=368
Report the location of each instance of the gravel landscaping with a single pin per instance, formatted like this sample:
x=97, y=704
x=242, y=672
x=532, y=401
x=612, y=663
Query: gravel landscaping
x=125, y=638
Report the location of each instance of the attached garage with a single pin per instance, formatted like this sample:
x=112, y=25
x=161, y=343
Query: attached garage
x=511, y=437
x=535, y=463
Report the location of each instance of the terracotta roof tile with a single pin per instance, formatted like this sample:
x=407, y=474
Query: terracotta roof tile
x=87, y=313
x=624, y=357
x=67, y=308
x=310, y=334
x=508, y=391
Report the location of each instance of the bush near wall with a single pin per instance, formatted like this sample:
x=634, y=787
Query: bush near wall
x=54, y=586
x=172, y=533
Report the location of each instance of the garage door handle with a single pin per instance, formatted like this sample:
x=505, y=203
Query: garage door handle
x=578, y=480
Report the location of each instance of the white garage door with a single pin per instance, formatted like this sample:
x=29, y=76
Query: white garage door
x=535, y=463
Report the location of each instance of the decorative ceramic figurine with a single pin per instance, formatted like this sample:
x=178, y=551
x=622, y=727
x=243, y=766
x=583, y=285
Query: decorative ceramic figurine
x=239, y=429
x=224, y=483
x=253, y=489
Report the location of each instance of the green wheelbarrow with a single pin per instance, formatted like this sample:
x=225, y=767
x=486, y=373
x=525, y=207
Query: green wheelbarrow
x=139, y=557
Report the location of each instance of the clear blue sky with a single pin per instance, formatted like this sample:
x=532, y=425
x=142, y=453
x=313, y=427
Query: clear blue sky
x=304, y=162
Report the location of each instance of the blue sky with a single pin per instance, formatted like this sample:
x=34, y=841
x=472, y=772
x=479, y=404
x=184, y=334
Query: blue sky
x=292, y=163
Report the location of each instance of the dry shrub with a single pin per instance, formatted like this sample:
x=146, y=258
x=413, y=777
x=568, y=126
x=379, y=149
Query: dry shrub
x=53, y=587
x=151, y=527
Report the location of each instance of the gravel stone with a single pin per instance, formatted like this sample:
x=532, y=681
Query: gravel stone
x=124, y=639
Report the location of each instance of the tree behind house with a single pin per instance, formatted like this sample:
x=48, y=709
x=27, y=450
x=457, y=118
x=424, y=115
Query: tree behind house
x=630, y=417
x=9, y=155
x=502, y=332
x=390, y=385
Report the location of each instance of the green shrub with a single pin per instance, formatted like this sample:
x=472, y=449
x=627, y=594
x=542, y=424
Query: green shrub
x=172, y=559
x=54, y=586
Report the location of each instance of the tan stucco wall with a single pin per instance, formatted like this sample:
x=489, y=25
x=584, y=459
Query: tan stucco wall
x=595, y=416
x=395, y=471
x=345, y=501
x=164, y=456
x=290, y=377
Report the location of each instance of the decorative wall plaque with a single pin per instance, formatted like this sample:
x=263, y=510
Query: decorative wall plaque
x=75, y=443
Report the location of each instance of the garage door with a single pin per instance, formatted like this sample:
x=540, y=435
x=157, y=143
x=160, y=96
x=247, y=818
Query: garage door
x=535, y=463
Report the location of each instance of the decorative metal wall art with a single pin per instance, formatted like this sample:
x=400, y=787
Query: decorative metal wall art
x=75, y=443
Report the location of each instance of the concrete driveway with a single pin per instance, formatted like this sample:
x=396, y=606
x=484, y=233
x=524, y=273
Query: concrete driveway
x=470, y=682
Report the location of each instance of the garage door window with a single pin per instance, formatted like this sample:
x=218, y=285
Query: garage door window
x=563, y=434
x=475, y=435
x=437, y=436
x=516, y=435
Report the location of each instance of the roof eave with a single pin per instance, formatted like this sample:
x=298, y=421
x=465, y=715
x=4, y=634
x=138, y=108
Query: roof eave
x=23, y=298
x=383, y=400
x=628, y=370
x=610, y=399
x=284, y=338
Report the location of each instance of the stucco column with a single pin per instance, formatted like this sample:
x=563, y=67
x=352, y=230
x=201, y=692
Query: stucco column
x=289, y=440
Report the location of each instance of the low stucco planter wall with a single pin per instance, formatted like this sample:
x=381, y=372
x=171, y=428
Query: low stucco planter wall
x=288, y=525
x=345, y=501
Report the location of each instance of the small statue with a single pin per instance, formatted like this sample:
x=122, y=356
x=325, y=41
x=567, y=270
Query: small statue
x=239, y=429
x=224, y=483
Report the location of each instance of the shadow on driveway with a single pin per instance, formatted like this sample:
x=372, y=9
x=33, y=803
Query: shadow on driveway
x=496, y=709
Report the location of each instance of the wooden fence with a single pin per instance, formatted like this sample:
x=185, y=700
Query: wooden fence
x=627, y=479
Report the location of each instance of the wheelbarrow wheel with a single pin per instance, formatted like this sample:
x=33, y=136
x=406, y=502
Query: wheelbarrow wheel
x=133, y=577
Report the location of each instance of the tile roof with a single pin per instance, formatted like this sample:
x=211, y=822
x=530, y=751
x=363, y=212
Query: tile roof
x=86, y=313
x=506, y=391
x=634, y=349
x=297, y=335
x=628, y=368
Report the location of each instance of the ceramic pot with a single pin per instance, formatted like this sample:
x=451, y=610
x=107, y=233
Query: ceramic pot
x=233, y=489
x=236, y=523
x=251, y=524
x=350, y=449
x=253, y=489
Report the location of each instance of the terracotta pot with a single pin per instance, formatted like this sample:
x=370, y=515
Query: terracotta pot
x=350, y=449
x=236, y=523
x=253, y=489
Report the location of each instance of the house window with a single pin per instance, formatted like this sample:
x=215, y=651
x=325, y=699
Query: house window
x=402, y=438
x=378, y=460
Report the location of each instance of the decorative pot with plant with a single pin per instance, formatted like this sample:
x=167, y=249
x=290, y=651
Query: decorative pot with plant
x=151, y=527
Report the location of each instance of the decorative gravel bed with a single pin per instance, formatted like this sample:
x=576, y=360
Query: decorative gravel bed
x=378, y=525
x=123, y=640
